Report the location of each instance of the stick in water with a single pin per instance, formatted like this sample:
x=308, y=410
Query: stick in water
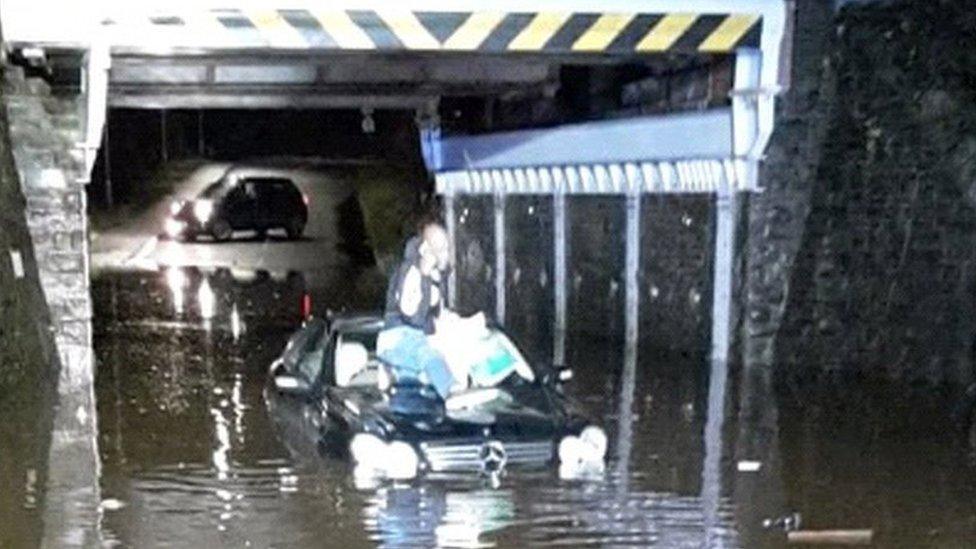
x=830, y=537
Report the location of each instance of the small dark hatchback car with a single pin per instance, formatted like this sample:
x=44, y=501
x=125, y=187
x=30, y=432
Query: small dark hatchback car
x=238, y=203
x=522, y=419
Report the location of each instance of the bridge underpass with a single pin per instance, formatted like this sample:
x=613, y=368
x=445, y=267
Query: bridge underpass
x=417, y=60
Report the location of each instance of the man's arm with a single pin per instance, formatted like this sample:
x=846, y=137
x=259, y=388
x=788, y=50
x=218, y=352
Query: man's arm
x=414, y=302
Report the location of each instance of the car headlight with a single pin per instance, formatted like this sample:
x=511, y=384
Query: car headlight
x=367, y=450
x=173, y=227
x=396, y=460
x=401, y=461
x=175, y=207
x=202, y=210
x=571, y=450
x=590, y=446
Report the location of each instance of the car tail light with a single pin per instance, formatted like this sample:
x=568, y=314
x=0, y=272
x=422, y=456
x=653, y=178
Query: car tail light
x=306, y=306
x=305, y=198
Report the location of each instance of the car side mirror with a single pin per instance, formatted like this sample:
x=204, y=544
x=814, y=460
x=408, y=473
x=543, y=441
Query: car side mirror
x=291, y=385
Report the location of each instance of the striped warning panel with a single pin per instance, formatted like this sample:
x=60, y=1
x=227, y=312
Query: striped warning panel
x=402, y=29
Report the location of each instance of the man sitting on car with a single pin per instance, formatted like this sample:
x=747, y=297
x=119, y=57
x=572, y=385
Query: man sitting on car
x=415, y=298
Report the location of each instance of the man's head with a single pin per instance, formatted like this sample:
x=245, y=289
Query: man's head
x=436, y=246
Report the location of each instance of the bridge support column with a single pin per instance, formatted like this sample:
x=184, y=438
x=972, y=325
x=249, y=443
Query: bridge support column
x=631, y=263
x=500, y=266
x=559, y=268
x=53, y=154
x=726, y=216
x=746, y=100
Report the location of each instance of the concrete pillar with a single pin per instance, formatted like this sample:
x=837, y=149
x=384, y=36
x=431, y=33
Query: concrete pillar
x=631, y=263
x=745, y=130
x=71, y=512
x=499, y=208
x=625, y=417
x=726, y=217
x=95, y=75
x=746, y=101
x=711, y=487
x=559, y=269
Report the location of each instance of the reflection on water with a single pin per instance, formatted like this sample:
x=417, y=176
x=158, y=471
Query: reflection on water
x=432, y=514
x=202, y=455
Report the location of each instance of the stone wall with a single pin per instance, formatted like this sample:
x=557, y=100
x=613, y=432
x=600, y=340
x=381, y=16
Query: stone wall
x=674, y=276
x=28, y=366
x=861, y=257
x=44, y=131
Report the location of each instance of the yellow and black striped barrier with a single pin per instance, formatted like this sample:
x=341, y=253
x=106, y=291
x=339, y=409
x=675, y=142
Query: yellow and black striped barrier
x=484, y=31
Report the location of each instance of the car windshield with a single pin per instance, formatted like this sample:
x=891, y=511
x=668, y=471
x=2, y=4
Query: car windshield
x=303, y=341
x=214, y=189
x=490, y=361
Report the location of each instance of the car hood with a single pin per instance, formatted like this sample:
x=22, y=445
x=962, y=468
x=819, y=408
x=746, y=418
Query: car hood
x=504, y=420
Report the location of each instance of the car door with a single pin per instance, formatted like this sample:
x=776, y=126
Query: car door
x=280, y=202
x=265, y=207
x=240, y=205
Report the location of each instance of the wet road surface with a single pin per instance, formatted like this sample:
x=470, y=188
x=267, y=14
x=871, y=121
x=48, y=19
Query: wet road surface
x=138, y=243
x=198, y=454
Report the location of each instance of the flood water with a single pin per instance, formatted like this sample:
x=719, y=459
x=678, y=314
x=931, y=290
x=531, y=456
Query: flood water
x=199, y=455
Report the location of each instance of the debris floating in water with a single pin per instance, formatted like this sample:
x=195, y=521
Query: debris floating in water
x=830, y=537
x=17, y=262
x=111, y=504
x=748, y=466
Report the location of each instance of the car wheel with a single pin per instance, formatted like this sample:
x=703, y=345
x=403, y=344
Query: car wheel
x=295, y=228
x=221, y=230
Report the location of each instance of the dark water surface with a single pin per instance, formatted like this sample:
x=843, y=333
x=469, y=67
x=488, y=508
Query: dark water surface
x=198, y=456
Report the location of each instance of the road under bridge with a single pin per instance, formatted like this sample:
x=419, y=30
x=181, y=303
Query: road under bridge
x=102, y=55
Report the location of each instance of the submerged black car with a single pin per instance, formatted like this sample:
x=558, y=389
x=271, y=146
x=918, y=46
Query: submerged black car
x=238, y=202
x=399, y=429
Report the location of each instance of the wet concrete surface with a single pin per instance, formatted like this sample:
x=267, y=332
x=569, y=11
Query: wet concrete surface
x=198, y=454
